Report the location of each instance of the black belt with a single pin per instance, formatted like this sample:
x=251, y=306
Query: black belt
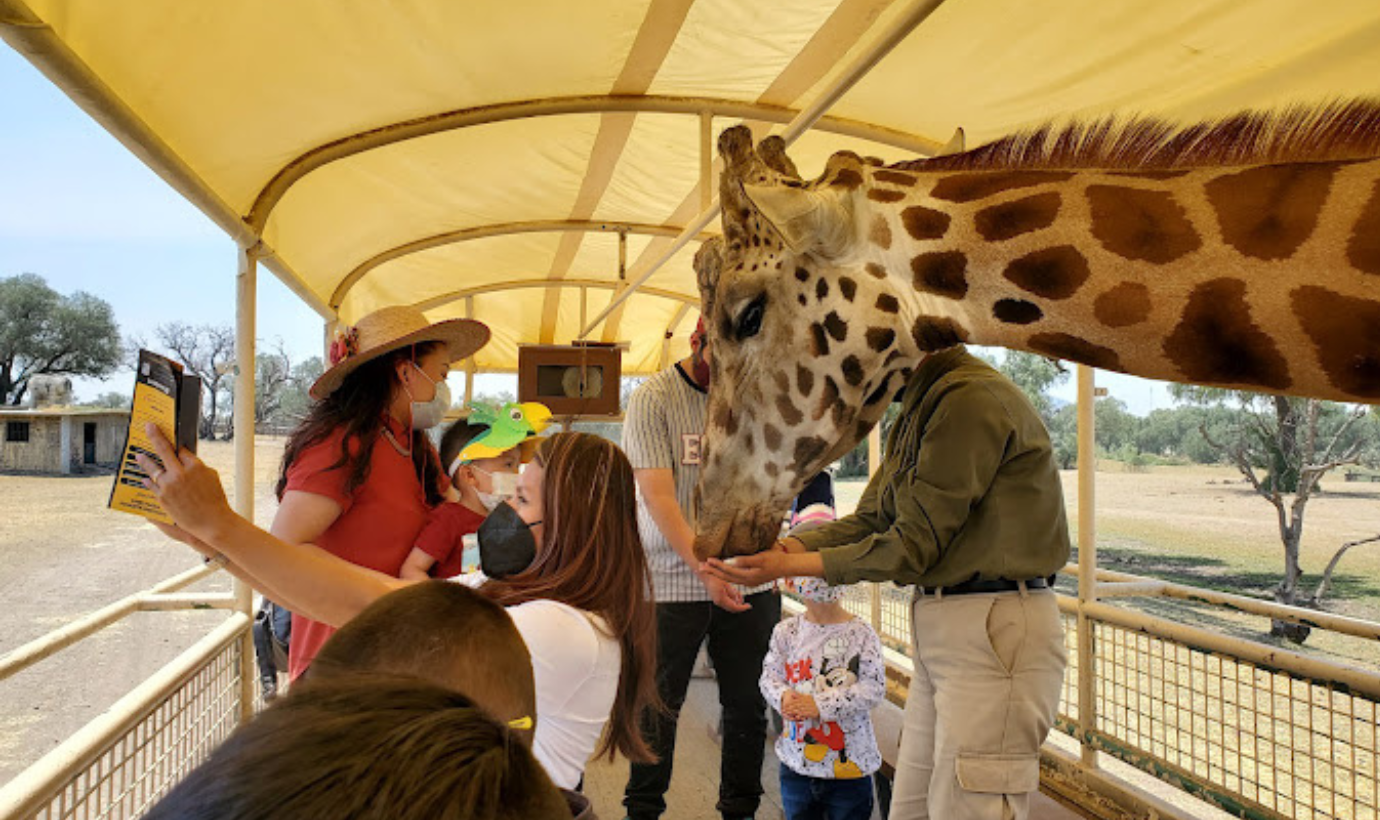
x=973, y=587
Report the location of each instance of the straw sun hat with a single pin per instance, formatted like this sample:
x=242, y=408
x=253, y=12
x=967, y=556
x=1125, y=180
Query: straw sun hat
x=389, y=329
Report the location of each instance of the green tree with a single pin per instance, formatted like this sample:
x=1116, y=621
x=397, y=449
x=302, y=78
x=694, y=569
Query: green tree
x=42, y=331
x=1283, y=447
x=1035, y=375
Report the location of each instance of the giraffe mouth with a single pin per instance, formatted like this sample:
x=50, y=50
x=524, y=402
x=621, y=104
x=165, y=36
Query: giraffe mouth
x=746, y=533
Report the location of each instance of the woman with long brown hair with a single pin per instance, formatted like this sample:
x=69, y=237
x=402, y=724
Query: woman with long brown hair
x=359, y=474
x=580, y=598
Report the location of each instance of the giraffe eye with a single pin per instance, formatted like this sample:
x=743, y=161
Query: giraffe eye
x=750, y=320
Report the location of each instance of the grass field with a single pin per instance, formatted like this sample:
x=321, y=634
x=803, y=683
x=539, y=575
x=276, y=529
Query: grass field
x=1204, y=526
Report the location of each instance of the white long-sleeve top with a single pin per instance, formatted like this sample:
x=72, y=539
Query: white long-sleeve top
x=841, y=667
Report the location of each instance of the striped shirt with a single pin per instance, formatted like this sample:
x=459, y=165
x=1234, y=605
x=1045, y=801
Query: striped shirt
x=662, y=430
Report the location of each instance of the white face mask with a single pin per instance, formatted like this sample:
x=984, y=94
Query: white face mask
x=428, y=414
x=504, y=484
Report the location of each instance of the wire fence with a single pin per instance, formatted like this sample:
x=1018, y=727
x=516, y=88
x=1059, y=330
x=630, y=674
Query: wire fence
x=1257, y=741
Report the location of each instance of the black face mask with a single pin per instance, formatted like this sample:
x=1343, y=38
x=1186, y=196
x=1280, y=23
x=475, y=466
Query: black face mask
x=506, y=544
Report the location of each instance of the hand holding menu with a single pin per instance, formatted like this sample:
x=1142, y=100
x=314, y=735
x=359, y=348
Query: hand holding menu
x=171, y=399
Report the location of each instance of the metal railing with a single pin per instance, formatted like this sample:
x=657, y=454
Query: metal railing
x=1256, y=730
x=121, y=763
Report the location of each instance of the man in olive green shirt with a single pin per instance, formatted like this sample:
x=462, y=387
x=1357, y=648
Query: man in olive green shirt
x=967, y=507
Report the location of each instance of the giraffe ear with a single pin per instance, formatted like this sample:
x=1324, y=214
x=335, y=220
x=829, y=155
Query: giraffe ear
x=809, y=221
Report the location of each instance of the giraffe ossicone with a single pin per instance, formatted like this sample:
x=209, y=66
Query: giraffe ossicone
x=1241, y=253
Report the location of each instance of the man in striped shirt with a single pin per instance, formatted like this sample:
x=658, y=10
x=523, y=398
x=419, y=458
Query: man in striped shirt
x=661, y=435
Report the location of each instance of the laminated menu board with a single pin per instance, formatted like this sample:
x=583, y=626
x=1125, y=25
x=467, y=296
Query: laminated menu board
x=170, y=398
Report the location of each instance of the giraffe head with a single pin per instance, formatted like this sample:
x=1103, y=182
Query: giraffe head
x=805, y=354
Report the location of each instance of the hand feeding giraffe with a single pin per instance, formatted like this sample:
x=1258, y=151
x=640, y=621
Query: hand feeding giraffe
x=1243, y=253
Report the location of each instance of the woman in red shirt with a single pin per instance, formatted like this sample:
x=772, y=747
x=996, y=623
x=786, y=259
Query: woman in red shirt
x=359, y=473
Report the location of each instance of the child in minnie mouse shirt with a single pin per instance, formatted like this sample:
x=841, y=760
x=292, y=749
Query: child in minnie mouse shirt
x=824, y=672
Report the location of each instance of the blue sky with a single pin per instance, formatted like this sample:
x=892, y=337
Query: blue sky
x=82, y=212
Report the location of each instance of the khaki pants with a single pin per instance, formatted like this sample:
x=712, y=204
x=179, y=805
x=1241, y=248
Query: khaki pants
x=988, y=674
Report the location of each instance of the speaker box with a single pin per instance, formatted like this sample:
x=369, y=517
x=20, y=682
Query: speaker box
x=572, y=380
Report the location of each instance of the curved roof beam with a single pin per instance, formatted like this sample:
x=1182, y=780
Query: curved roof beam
x=520, y=284
x=499, y=229
x=278, y=187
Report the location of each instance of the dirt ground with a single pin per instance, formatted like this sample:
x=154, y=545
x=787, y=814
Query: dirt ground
x=65, y=555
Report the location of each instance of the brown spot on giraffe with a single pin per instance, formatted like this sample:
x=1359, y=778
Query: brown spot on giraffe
x=1216, y=342
x=1346, y=333
x=802, y=275
x=1126, y=304
x=882, y=391
x=1011, y=219
x=783, y=382
x=1054, y=273
x=880, y=234
x=1166, y=174
x=894, y=177
x=968, y=187
x=771, y=469
x=748, y=444
x=933, y=333
x=807, y=450
x=804, y=379
x=725, y=419
x=887, y=303
x=1141, y=225
x=925, y=223
x=848, y=287
x=1016, y=311
x=789, y=412
x=828, y=398
x=853, y=371
x=772, y=436
x=1064, y=346
x=875, y=270
x=836, y=326
x=885, y=195
x=1270, y=211
x=800, y=297
x=846, y=178
x=880, y=338
x=819, y=342
x=1363, y=248
x=821, y=288
x=942, y=273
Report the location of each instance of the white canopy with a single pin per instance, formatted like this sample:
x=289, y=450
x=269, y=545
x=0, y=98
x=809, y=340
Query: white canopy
x=498, y=159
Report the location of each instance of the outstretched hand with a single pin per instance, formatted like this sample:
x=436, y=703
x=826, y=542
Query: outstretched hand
x=783, y=560
x=187, y=489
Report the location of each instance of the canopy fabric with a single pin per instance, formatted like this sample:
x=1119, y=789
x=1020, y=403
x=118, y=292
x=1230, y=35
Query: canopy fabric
x=498, y=159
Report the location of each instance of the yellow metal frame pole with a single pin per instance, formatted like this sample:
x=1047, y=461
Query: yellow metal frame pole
x=874, y=462
x=246, y=307
x=1087, y=564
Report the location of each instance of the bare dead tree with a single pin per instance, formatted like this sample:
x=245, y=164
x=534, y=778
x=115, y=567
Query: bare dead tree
x=1290, y=445
x=1325, y=585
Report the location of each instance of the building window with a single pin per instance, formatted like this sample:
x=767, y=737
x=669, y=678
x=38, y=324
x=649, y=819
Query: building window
x=17, y=431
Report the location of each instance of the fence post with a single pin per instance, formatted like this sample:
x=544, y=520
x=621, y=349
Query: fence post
x=1087, y=564
x=246, y=306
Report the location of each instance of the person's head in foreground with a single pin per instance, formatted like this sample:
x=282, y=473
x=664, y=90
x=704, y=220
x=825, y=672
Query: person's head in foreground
x=368, y=746
x=483, y=453
x=441, y=633
x=575, y=515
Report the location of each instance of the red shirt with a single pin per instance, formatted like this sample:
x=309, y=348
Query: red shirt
x=441, y=538
x=378, y=522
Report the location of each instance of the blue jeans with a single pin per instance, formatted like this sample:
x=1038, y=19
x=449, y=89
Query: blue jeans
x=816, y=798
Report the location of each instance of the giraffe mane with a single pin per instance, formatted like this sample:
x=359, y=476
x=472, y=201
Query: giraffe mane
x=1340, y=130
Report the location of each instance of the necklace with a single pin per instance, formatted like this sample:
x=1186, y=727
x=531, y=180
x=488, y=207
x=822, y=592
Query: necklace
x=396, y=446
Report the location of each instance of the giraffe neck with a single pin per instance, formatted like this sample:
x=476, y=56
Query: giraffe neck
x=1257, y=277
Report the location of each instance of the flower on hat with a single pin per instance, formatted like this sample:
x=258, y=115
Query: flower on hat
x=344, y=345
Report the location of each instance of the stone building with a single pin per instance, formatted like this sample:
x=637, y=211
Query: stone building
x=61, y=440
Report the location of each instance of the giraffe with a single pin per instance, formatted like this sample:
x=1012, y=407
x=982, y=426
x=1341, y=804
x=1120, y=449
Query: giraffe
x=1241, y=253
